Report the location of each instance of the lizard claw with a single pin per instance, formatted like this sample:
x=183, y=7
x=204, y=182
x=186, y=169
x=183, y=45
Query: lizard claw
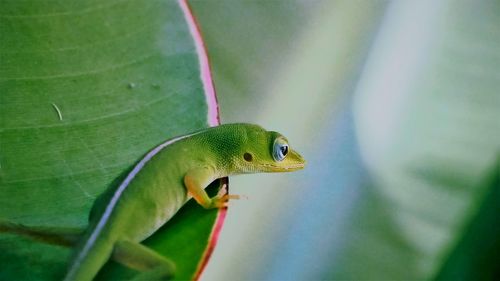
x=221, y=200
x=222, y=190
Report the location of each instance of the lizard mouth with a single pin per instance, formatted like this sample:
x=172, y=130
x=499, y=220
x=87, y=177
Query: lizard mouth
x=287, y=168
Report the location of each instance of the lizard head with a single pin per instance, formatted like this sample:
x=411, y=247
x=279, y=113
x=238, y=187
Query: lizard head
x=267, y=151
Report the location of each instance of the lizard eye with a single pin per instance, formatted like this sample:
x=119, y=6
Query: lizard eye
x=280, y=149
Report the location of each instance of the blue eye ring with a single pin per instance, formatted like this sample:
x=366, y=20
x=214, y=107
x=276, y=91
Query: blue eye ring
x=280, y=149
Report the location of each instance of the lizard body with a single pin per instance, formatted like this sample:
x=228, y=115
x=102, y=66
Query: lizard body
x=158, y=186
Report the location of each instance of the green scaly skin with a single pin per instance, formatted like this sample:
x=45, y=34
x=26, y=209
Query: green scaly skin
x=163, y=181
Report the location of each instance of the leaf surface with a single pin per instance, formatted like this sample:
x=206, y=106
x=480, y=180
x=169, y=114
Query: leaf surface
x=87, y=88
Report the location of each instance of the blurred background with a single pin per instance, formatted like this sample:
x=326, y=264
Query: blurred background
x=396, y=107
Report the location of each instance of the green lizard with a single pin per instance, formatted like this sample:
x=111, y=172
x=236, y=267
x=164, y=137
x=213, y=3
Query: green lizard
x=164, y=180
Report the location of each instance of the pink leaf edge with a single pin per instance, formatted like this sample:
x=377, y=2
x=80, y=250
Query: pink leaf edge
x=212, y=118
x=205, y=73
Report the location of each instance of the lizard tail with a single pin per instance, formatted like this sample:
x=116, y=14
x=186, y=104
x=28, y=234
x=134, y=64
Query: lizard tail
x=66, y=237
x=89, y=257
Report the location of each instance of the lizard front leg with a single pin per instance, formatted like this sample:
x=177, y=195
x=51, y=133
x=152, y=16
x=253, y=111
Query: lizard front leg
x=196, y=180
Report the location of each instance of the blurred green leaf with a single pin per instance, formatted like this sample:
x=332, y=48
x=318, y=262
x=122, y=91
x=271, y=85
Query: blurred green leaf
x=124, y=77
x=427, y=122
x=247, y=53
x=394, y=192
x=477, y=252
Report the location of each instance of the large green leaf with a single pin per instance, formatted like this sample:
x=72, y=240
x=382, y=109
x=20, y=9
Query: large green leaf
x=86, y=89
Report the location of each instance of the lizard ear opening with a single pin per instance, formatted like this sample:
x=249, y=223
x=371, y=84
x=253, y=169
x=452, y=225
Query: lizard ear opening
x=248, y=157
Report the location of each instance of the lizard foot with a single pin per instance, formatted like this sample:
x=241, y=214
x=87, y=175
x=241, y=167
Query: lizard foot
x=221, y=200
